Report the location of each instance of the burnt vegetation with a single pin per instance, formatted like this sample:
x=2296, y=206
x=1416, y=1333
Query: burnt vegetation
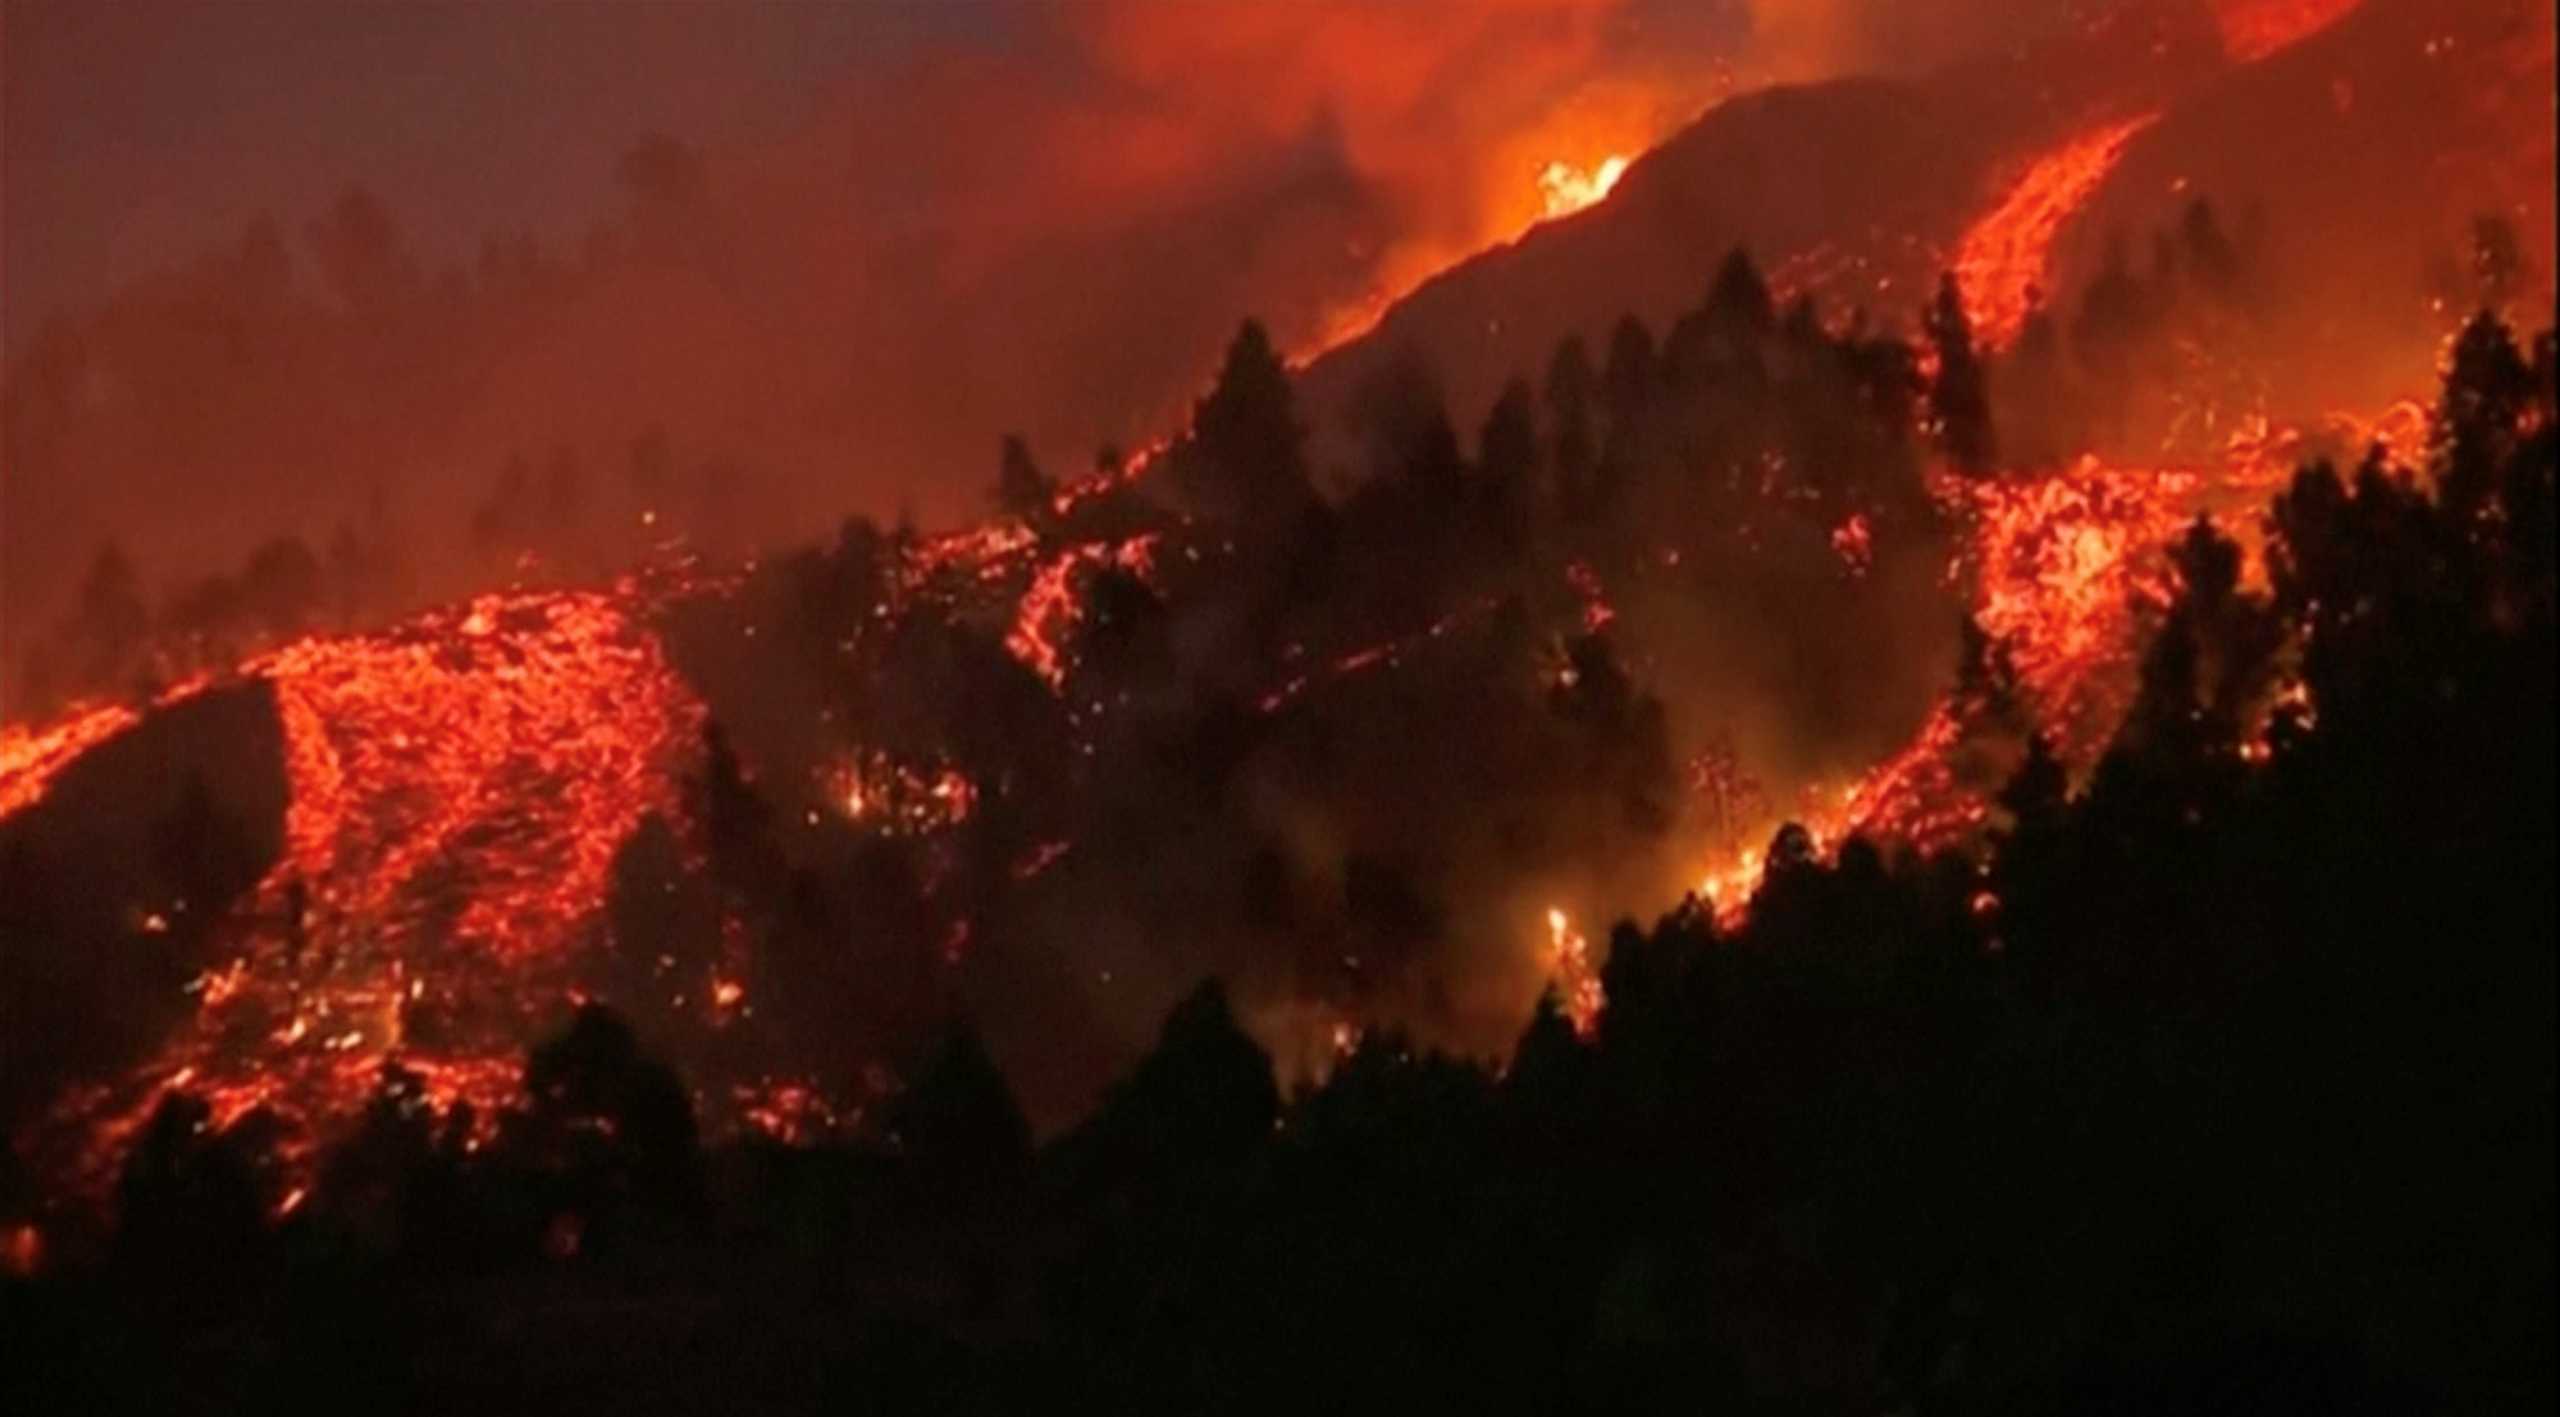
x=2216, y=1076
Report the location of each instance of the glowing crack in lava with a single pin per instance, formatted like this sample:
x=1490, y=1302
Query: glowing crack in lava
x=2008, y=253
x=459, y=787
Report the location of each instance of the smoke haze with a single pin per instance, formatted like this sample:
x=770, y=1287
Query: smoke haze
x=314, y=269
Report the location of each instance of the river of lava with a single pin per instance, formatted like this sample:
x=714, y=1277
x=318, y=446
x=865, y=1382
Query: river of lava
x=2006, y=255
x=458, y=789
x=2068, y=571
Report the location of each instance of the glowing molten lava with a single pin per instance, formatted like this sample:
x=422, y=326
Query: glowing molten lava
x=30, y=758
x=2068, y=570
x=1051, y=609
x=510, y=746
x=2008, y=253
x=458, y=789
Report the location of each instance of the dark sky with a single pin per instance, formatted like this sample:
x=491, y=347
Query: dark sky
x=137, y=132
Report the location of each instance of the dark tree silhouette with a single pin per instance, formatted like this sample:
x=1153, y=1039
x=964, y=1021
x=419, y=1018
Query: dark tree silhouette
x=1507, y=457
x=361, y=256
x=1203, y=1097
x=110, y=624
x=192, y=1200
x=1244, y=459
x=957, y=1128
x=1022, y=489
x=1573, y=413
x=616, y=1129
x=1959, y=396
x=281, y=588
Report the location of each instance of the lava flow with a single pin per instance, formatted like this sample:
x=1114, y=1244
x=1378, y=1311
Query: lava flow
x=458, y=789
x=2005, y=257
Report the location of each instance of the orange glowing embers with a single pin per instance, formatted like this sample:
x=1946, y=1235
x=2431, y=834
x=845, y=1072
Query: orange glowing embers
x=1853, y=541
x=21, y=1251
x=897, y=799
x=791, y=1111
x=1597, y=612
x=2254, y=29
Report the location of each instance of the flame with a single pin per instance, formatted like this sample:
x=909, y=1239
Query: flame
x=1853, y=541
x=1577, y=978
x=1562, y=188
x=1567, y=188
